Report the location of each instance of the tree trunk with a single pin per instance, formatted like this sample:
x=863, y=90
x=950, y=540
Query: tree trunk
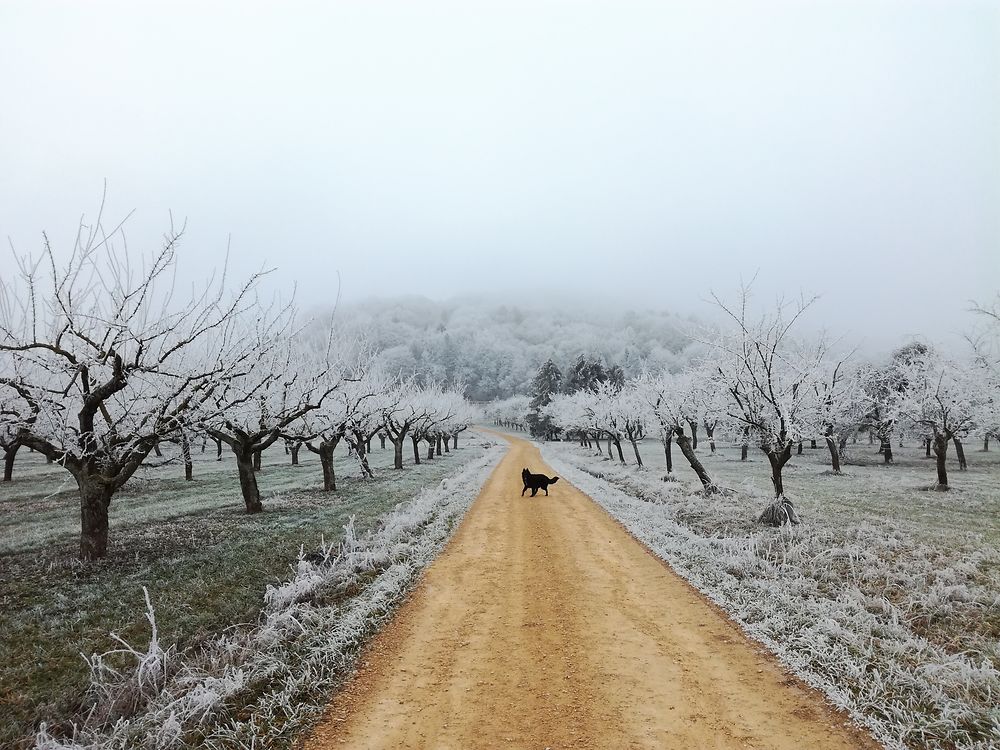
x=778, y=461
x=156, y=450
x=248, y=482
x=95, y=497
x=218, y=449
x=686, y=448
x=668, y=445
x=986, y=443
x=694, y=434
x=186, y=455
x=609, y=446
x=416, y=449
x=710, y=431
x=445, y=442
x=812, y=443
x=294, y=449
x=360, y=445
x=8, y=461
x=381, y=439
x=618, y=447
x=960, y=452
x=927, y=447
x=798, y=451
x=635, y=449
x=397, y=453
x=430, y=448
x=831, y=443
x=256, y=460
x=454, y=441
x=326, y=450
x=941, y=453
x=745, y=447
x=886, y=451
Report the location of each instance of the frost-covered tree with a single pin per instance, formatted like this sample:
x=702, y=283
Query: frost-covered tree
x=441, y=411
x=771, y=381
x=668, y=398
x=839, y=407
x=573, y=414
x=884, y=389
x=510, y=413
x=465, y=415
x=705, y=401
x=102, y=357
x=633, y=416
x=325, y=427
x=547, y=382
x=944, y=397
x=11, y=420
x=286, y=379
x=368, y=415
x=606, y=415
x=584, y=374
x=400, y=415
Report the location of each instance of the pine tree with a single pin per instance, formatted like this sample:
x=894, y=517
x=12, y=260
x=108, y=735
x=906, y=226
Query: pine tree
x=546, y=382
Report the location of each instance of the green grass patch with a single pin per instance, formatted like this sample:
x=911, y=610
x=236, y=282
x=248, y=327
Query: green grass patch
x=205, y=562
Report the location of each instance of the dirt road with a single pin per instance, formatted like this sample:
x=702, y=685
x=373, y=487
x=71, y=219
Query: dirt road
x=543, y=624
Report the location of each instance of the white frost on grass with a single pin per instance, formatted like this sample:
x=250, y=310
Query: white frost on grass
x=259, y=687
x=836, y=601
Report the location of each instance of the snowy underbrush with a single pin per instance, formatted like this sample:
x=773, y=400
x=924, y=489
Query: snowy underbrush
x=259, y=686
x=844, y=602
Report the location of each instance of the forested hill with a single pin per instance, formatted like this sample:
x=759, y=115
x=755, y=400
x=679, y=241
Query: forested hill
x=495, y=349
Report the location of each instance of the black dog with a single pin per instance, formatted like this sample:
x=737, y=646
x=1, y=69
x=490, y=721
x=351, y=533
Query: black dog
x=536, y=482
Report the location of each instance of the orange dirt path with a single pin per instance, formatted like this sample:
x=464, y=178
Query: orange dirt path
x=543, y=624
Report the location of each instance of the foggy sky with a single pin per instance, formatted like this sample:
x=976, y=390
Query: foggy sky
x=642, y=152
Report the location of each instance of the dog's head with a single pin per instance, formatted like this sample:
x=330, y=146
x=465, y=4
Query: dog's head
x=553, y=480
x=525, y=474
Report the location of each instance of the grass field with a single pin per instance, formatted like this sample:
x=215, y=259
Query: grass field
x=887, y=596
x=205, y=562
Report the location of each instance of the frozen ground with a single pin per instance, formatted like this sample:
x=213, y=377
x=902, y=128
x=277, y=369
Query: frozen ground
x=887, y=596
x=205, y=563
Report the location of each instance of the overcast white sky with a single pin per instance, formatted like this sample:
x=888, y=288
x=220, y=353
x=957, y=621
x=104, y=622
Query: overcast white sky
x=643, y=151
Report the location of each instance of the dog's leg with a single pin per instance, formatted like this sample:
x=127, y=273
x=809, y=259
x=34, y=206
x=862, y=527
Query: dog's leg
x=524, y=490
x=534, y=491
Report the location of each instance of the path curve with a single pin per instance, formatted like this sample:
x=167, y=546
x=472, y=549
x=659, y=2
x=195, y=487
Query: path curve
x=543, y=624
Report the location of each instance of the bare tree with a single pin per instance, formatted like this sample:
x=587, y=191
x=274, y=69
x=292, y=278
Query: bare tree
x=400, y=415
x=946, y=398
x=11, y=420
x=770, y=380
x=104, y=360
x=284, y=381
x=670, y=401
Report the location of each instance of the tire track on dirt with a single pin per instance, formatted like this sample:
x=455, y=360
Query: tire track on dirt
x=543, y=624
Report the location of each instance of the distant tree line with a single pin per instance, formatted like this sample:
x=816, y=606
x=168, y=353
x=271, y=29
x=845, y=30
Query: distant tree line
x=493, y=352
